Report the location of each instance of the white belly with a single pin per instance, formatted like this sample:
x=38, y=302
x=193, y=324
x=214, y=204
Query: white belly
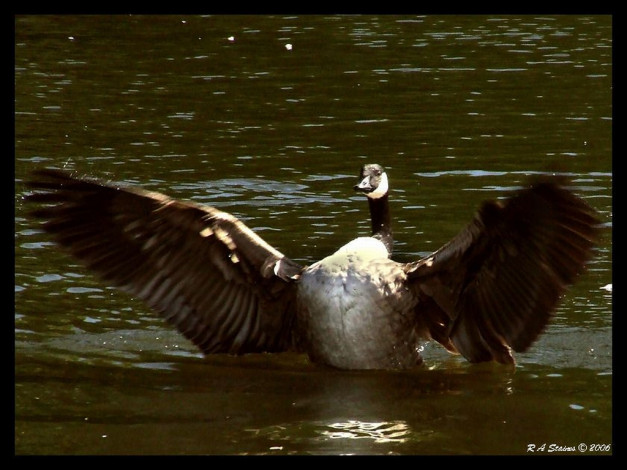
x=355, y=312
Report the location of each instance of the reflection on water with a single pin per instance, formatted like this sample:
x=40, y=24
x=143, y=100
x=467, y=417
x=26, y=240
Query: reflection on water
x=282, y=405
x=321, y=434
x=217, y=110
x=385, y=432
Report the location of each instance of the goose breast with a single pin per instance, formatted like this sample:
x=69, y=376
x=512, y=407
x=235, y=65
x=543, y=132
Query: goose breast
x=353, y=309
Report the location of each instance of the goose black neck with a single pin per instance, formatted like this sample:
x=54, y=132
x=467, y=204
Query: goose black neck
x=380, y=218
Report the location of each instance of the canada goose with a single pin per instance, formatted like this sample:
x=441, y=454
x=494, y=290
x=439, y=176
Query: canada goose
x=490, y=290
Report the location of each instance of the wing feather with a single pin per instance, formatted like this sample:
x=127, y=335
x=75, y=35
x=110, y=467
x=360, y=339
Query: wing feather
x=499, y=280
x=202, y=269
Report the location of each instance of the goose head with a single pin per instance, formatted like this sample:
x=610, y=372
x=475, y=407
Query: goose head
x=373, y=181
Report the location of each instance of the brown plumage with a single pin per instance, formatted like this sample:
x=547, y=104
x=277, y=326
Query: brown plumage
x=490, y=290
x=500, y=279
x=200, y=268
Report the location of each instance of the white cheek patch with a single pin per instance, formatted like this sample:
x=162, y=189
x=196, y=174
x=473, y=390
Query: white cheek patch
x=381, y=190
x=365, y=183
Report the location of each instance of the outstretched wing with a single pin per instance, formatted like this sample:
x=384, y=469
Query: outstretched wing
x=202, y=269
x=496, y=284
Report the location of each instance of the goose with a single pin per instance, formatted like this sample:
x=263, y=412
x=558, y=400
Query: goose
x=490, y=291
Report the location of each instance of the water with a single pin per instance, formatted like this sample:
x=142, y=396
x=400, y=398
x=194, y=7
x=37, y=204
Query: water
x=218, y=110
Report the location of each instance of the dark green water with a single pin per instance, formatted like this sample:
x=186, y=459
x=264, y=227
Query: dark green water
x=219, y=110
